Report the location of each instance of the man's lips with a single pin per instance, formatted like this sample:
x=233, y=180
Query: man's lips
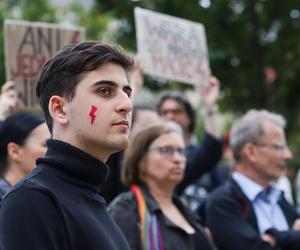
x=122, y=123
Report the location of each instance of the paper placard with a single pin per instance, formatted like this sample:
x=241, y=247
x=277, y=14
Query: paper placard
x=171, y=47
x=28, y=45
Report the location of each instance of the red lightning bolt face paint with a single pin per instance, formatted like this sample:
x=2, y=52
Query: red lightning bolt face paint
x=92, y=114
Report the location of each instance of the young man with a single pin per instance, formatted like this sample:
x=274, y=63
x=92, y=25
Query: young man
x=85, y=97
x=249, y=212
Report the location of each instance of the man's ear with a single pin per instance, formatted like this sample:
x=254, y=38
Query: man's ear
x=57, y=109
x=249, y=151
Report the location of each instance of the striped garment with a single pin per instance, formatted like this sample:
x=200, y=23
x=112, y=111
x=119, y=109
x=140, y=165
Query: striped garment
x=150, y=230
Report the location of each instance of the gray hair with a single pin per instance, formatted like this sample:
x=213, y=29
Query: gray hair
x=249, y=128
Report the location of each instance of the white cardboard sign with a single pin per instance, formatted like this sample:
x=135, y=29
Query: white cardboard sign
x=28, y=45
x=171, y=47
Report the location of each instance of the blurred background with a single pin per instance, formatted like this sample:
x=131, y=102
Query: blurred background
x=254, y=46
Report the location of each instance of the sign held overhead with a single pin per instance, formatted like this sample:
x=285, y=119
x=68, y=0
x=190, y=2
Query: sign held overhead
x=28, y=45
x=171, y=47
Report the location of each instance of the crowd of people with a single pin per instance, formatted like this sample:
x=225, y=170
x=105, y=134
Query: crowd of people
x=100, y=172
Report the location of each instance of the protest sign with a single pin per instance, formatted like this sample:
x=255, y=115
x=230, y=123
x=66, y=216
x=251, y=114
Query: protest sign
x=171, y=47
x=28, y=45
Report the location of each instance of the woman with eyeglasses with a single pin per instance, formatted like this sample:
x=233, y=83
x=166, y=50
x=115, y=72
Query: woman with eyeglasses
x=149, y=215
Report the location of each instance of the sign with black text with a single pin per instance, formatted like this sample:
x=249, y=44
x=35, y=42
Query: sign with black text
x=28, y=45
x=171, y=47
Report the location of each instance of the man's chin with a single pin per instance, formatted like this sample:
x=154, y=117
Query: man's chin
x=121, y=145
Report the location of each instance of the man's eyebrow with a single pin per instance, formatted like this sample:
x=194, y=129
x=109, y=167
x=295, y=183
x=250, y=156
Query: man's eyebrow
x=104, y=82
x=111, y=83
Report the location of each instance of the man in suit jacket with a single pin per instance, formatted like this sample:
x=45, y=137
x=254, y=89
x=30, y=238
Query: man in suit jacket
x=249, y=213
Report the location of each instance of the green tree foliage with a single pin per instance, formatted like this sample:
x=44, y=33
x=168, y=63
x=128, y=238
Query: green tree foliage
x=246, y=38
x=38, y=10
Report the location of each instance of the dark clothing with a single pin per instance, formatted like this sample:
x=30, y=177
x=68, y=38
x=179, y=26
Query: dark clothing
x=113, y=185
x=4, y=187
x=57, y=206
x=233, y=223
x=124, y=211
x=200, y=159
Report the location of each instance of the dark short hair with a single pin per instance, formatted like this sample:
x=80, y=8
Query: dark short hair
x=61, y=74
x=180, y=98
x=138, y=147
x=16, y=128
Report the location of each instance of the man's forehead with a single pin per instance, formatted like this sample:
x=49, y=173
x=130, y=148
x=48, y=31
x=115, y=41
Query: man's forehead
x=270, y=128
x=171, y=103
x=100, y=76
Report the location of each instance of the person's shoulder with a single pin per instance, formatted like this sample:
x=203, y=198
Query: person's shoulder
x=32, y=185
x=222, y=193
x=26, y=203
x=30, y=180
x=122, y=198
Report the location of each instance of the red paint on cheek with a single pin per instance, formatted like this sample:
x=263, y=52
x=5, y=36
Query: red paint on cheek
x=92, y=114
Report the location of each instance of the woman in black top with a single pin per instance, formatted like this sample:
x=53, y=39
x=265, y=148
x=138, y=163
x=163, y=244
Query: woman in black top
x=149, y=215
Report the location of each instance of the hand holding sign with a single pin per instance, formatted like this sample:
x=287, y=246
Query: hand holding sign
x=9, y=100
x=209, y=93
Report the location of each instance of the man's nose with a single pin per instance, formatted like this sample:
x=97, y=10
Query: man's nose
x=124, y=104
x=169, y=115
x=288, y=154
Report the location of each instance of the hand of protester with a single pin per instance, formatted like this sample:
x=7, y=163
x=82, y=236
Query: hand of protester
x=137, y=78
x=7, y=86
x=209, y=93
x=8, y=100
x=296, y=225
x=269, y=238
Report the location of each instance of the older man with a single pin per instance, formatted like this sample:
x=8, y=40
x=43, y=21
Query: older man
x=249, y=213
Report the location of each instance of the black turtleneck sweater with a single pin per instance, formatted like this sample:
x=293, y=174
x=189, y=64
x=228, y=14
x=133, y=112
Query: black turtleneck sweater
x=58, y=206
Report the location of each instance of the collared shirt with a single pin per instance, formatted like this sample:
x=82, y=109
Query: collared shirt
x=265, y=203
x=4, y=187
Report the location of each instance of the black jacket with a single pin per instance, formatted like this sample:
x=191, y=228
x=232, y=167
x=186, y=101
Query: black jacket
x=201, y=158
x=57, y=207
x=232, y=221
x=124, y=211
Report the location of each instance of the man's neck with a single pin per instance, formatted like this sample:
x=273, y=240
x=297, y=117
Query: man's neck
x=248, y=172
x=100, y=154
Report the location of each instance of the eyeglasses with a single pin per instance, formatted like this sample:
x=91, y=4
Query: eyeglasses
x=168, y=150
x=276, y=146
